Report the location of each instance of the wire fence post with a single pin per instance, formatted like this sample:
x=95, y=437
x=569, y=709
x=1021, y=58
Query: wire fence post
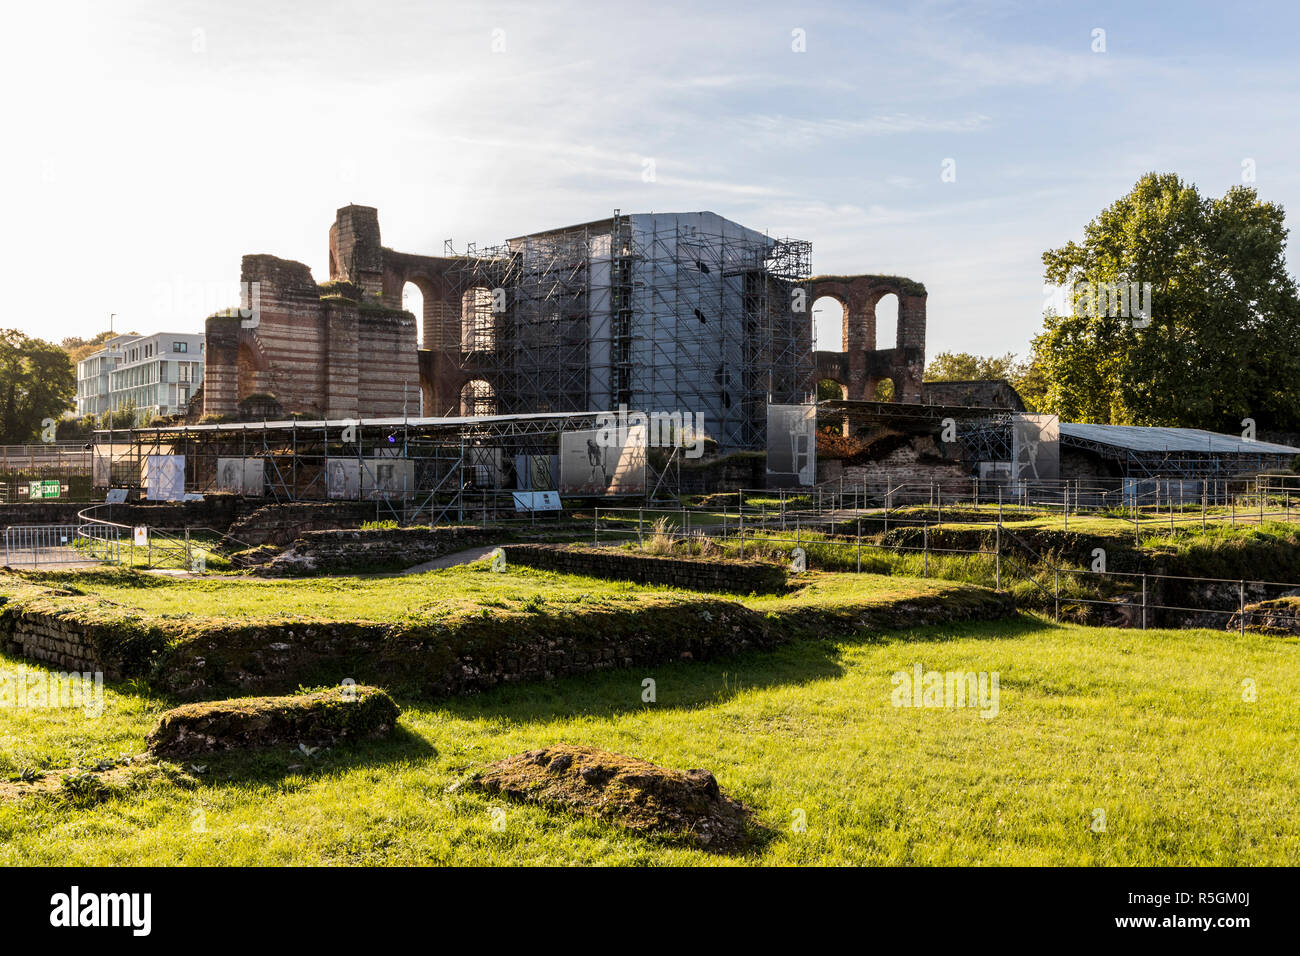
x=1056, y=575
x=595, y=526
x=1241, y=608
x=1144, y=602
x=640, y=520
x=741, y=534
x=925, y=550
x=997, y=550
x=859, y=544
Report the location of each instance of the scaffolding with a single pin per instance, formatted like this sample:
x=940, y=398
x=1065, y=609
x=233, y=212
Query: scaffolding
x=651, y=313
x=529, y=311
x=445, y=463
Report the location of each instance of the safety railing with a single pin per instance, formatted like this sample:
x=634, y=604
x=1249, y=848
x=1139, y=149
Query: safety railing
x=61, y=545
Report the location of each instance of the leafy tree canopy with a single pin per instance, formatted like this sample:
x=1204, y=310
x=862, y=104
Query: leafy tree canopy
x=79, y=348
x=1214, y=339
x=36, y=383
x=965, y=367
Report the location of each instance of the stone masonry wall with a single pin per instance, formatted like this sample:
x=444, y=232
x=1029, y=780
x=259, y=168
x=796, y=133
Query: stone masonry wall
x=358, y=552
x=55, y=639
x=283, y=524
x=691, y=574
x=215, y=511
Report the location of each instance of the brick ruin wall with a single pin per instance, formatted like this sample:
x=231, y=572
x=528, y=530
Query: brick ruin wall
x=862, y=364
x=317, y=350
x=322, y=353
x=981, y=394
x=907, y=463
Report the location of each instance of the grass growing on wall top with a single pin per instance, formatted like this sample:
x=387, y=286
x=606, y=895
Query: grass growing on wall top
x=446, y=594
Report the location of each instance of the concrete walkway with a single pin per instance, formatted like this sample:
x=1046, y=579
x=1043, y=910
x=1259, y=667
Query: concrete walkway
x=452, y=560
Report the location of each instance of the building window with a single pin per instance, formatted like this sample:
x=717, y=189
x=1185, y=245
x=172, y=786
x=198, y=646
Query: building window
x=180, y=346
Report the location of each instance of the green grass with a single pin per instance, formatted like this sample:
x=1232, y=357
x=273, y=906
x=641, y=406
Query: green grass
x=466, y=590
x=168, y=551
x=1148, y=726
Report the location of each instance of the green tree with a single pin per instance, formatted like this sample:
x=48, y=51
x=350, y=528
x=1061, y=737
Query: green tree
x=1030, y=382
x=1216, y=340
x=79, y=348
x=123, y=417
x=966, y=367
x=1025, y=377
x=829, y=390
x=36, y=383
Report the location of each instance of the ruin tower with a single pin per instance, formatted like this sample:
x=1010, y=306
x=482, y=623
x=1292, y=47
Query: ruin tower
x=356, y=254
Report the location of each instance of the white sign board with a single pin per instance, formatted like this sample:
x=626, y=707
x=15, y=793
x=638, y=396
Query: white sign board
x=115, y=496
x=164, y=477
x=141, y=535
x=537, y=500
x=791, y=445
x=343, y=478
x=1036, y=447
x=592, y=464
x=241, y=476
x=387, y=478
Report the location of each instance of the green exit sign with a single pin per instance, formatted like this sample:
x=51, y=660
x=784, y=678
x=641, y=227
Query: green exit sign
x=43, y=489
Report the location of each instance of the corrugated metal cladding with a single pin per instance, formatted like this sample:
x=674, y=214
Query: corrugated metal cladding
x=1143, y=438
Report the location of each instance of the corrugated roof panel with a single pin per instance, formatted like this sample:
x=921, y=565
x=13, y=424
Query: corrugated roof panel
x=1143, y=438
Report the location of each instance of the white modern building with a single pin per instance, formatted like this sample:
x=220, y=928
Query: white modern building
x=156, y=374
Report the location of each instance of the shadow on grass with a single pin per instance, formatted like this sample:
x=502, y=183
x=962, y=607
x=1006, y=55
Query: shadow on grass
x=691, y=685
x=681, y=685
x=275, y=764
x=1019, y=625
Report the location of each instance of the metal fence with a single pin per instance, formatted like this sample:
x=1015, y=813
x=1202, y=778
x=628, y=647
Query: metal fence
x=755, y=530
x=1227, y=599
x=798, y=523
x=1148, y=505
x=60, y=545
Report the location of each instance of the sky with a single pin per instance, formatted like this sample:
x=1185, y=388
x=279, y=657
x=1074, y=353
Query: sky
x=149, y=145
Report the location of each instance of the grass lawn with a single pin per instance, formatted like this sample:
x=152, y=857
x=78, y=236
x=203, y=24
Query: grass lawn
x=434, y=595
x=1149, y=727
